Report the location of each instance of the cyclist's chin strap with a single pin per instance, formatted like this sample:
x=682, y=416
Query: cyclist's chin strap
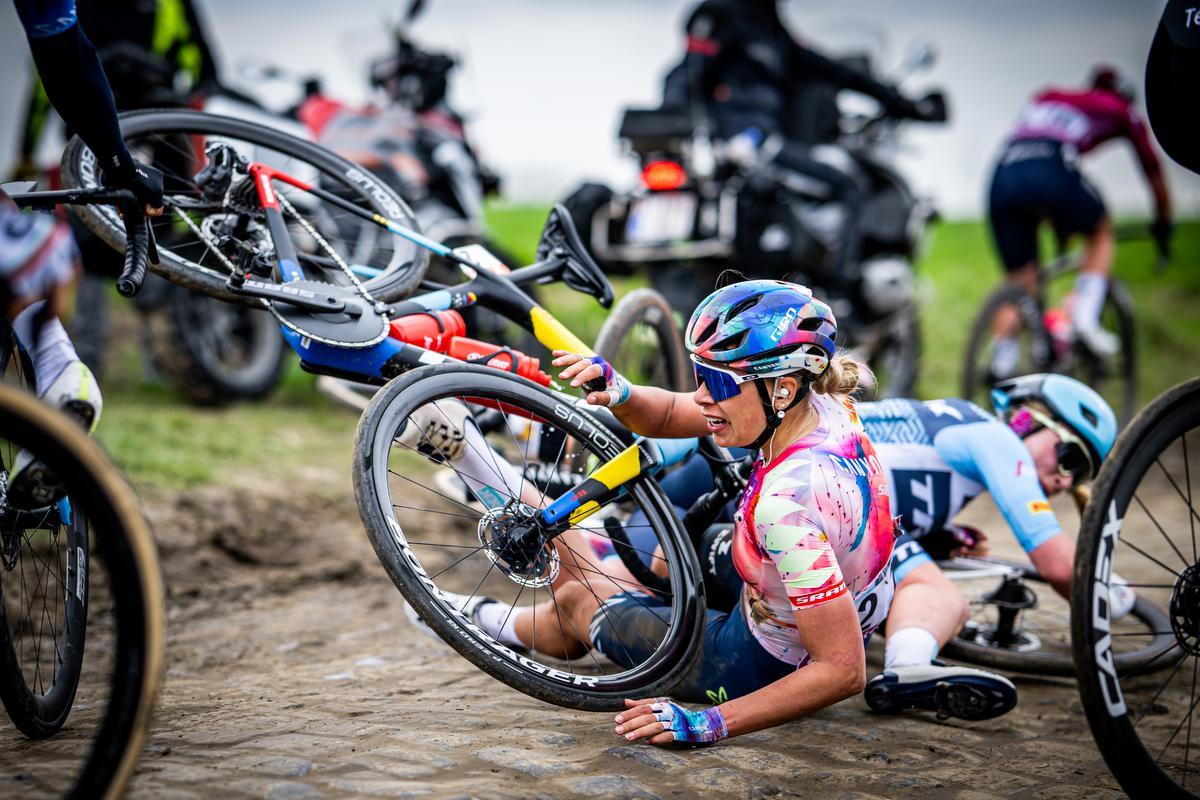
x=774, y=416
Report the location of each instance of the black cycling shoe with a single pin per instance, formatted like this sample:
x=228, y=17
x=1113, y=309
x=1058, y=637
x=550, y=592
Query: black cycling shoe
x=951, y=691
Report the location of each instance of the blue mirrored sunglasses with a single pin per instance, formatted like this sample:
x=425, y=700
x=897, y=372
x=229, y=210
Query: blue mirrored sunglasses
x=722, y=383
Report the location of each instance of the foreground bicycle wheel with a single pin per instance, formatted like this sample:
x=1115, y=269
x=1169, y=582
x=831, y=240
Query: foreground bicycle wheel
x=1142, y=523
x=201, y=236
x=95, y=753
x=642, y=341
x=434, y=537
x=1018, y=622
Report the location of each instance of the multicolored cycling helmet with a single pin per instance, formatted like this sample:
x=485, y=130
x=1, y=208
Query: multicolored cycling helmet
x=764, y=329
x=1088, y=419
x=760, y=329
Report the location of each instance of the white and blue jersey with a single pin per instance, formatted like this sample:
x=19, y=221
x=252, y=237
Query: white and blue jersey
x=940, y=455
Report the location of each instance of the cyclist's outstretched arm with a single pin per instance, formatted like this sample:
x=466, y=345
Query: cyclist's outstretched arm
x=645, y=410
x=78, y=89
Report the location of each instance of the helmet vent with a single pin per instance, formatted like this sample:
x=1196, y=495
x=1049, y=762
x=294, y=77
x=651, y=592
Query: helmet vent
x=739, y=307
x=731, y=343
x=811, y=324
x=708, y=331
x=1089, y=415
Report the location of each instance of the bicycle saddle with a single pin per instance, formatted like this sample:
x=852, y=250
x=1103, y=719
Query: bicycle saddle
x=581, y=273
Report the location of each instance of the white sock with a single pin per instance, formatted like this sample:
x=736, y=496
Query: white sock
x=1006, y=352
x=498, y=621
x=1090, y=289
x=909, y=647
x=51, y=349
x=491, y=477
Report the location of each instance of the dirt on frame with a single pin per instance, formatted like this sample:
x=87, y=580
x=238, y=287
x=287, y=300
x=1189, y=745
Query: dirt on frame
x=293, y=673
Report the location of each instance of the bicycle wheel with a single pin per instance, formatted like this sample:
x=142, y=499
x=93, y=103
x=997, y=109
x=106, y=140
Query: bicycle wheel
x=894, y=353
x=431, y=536
x=1142, y=524
x=95, y=754
x=200, y=238
x=642, y=341
x=1018, y=623
x=1036, y=349
x=214, y=352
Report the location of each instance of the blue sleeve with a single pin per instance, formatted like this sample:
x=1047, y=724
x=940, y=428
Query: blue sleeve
x=43, y=18
x=991, y=454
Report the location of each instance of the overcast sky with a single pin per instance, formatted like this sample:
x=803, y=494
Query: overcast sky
x=544, y=80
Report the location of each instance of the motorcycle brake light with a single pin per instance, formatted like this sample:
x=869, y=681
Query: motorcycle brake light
x=663, y=176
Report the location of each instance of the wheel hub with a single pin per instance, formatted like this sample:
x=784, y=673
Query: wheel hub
x=518, y=545
x=1185, y=610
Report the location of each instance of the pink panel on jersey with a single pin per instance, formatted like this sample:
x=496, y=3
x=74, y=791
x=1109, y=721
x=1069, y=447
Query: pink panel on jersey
x=1085, y=120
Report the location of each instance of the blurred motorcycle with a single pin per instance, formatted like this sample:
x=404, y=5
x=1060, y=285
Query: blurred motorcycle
x=702, y=206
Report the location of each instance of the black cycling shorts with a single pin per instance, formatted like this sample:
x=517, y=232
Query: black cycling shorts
x=1034, y=182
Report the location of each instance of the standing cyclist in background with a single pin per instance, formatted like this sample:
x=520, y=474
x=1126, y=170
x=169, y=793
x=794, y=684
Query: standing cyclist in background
x=1052, y=434
x=36, y=245
x=1037, y=179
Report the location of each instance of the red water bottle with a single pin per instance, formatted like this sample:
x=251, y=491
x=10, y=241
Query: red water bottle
x=432, y=330
x=477, y=352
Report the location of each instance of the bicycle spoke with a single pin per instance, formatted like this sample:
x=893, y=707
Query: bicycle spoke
x=1160, y=530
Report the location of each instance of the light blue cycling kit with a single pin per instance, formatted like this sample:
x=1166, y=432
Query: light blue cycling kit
x=940, y=455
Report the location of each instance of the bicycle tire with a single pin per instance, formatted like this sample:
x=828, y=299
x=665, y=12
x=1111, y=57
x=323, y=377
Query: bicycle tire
x=1039, y=662
x=554, y=683
x=1169, y=417
x=187, y=344
x=122, y=541
x=79, y=170
x=975, y=377
x=40, y=710
x=898, y=356
x=650, y=310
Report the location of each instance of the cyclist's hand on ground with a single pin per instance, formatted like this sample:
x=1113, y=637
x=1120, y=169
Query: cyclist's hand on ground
x=582, y=369
x=974, y=541
x=661, y=721
x=144, y=181
x=1161, y=229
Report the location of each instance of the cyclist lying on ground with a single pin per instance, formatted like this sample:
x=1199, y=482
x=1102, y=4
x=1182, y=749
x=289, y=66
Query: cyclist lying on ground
x=939, y=455
x=814, y=531
x=1037, y=179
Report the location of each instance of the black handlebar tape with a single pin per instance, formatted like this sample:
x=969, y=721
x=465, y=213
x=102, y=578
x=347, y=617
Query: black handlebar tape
x=137, y=243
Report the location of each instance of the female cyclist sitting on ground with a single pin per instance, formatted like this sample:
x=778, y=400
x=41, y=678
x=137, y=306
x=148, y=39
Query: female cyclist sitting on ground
x=1052, y=433
x=814, y=530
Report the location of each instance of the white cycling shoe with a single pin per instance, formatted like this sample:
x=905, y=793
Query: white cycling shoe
x=437, y=430
x=951, y=691
x=31, y=484
x=1121, y=597
x=1098, y=341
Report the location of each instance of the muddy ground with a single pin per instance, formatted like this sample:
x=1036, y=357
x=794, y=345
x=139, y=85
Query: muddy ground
x=292, y=673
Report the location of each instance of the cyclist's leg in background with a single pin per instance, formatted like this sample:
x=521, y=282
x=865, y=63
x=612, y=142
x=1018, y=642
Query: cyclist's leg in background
x=1078, y=209
x=1014, y=216
x=62, y=379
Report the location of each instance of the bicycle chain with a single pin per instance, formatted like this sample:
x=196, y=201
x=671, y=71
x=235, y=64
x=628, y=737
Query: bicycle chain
x=342, y=265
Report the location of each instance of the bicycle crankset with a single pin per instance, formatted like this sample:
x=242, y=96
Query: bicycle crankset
x=517, y=544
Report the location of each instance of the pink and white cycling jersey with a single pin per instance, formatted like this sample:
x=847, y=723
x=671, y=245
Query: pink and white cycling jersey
x=1085, y=120
x=813, y=524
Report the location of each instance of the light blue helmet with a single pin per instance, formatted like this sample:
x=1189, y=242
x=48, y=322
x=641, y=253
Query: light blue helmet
x=1072, y=403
